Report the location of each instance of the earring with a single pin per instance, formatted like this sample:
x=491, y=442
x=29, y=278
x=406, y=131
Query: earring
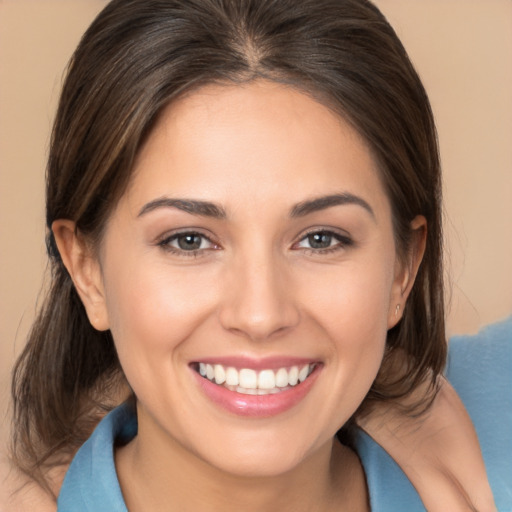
x=397, y=310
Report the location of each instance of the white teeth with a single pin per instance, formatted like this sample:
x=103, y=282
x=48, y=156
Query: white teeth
x=247, y=391
x=266, y=380
x=232, y=377
x=303, y=373
x=220, y=374
x=293, y=375
x=248, y=378
x=249, y=381
x=282, y=378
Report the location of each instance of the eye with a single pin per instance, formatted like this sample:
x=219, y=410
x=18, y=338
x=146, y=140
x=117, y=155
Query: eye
x=324, y=240
x=187, y=242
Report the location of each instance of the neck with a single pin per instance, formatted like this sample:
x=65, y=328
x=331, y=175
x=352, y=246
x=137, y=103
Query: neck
x=165, y=476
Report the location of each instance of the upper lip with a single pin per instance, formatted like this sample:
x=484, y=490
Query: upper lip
x=265, y=363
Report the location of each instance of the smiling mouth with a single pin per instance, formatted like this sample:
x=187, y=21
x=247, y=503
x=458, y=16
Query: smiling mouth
x=251, y=382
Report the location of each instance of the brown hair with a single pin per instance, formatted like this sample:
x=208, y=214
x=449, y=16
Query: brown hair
x=139, y=55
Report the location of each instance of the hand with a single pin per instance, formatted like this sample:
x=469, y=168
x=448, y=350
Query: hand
x=438, y=451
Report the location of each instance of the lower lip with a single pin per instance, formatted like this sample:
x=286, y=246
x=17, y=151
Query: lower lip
x=257, y=406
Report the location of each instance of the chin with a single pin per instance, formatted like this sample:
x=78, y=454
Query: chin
x=265, y=464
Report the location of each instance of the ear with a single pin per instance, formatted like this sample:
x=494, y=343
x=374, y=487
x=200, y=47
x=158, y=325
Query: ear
x=406, y=269
x=85, y=271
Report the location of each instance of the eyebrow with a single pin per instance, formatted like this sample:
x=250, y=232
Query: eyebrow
x=323, y=202
x=209, y=209
x=193, y=206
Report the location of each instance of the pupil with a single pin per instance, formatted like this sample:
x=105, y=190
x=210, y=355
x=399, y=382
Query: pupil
x=320, y=240
x=189, y=242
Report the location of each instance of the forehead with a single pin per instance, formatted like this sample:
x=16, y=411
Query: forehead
x=227, y=141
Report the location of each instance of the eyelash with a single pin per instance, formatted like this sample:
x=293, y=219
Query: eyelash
x=343, y=242
x=165, y=244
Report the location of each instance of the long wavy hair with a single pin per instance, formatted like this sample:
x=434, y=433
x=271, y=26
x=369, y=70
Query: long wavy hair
x=136, y=58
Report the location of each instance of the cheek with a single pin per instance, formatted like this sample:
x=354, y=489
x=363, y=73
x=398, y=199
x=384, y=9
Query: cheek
x=350, y=305
x=352, y=300
x=153, y=310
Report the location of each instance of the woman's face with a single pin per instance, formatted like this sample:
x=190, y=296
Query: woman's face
x=255, y=244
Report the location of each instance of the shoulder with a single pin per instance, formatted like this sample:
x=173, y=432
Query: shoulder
x=20, y=494
x=91, y=481
x=487, y=356
x=480, y=369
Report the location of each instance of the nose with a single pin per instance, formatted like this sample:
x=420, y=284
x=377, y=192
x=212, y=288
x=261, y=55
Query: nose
x=259, y=300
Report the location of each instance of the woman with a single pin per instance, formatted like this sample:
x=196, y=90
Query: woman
x=258, y=288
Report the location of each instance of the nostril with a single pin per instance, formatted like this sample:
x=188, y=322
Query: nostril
x=259, y=321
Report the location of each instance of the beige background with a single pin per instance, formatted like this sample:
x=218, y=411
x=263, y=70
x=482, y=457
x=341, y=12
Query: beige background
x=462, y=50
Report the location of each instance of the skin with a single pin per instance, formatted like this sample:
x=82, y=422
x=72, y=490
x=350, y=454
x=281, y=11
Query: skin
x=255, y=288
x=438, y=452
x=199, y=150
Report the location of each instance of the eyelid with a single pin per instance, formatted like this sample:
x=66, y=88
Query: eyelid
x=344, y=239
x=164, y=241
